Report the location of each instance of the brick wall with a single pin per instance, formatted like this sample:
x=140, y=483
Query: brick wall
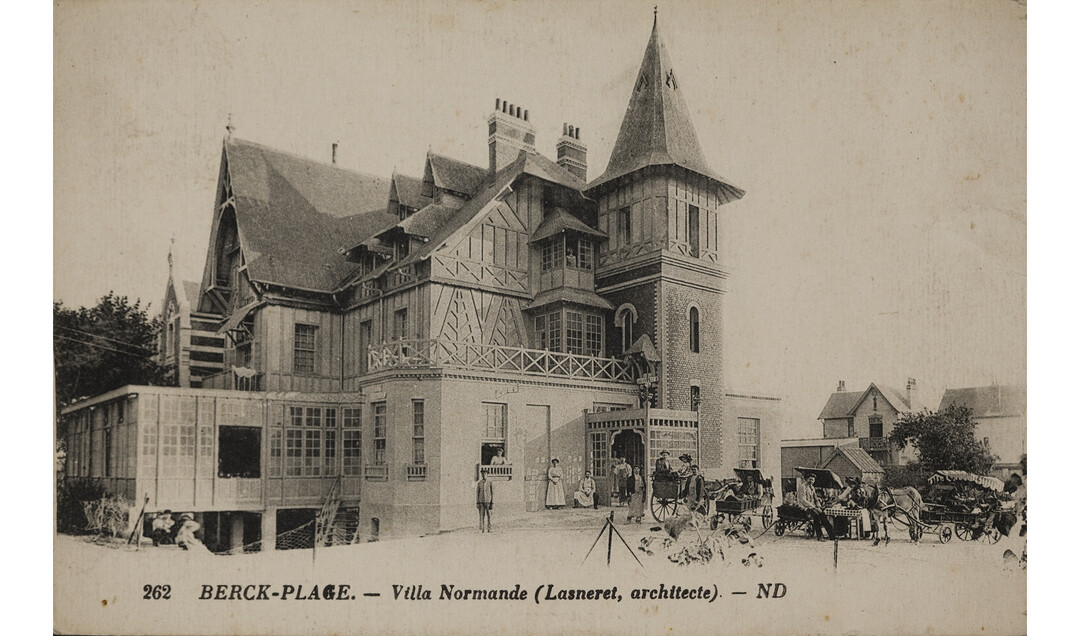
x=681, y=368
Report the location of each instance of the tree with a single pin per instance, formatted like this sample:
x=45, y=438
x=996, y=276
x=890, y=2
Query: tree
x=944, y=440
x=104, y=347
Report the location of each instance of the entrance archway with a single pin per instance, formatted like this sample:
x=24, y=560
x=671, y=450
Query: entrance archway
x=630, y=444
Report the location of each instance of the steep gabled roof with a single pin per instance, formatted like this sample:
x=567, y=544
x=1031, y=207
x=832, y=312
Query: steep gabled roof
x=988, y=401
x=840, y=404
x=858, y=458
x=462, y=220
x=408, y=190
x=560, y=220
x=844, y=404
x=454, y=175
x=427, y=221
x=657, y=129
x=190, y=290
x=294, y=214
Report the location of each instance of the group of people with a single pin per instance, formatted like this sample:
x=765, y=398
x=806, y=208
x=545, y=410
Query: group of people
x=164, y=530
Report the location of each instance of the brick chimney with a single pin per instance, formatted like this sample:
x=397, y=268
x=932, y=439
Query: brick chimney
x=840, y=388
x=509, y=132
x=570, y=151
x=912, y=393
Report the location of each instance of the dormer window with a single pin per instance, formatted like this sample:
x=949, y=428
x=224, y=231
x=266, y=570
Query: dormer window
x=567, y=252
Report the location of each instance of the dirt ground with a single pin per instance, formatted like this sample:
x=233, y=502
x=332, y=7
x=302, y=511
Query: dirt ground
x=902, y=588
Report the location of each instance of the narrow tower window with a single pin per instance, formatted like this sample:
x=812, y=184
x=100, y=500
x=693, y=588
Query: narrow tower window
x=694, y=331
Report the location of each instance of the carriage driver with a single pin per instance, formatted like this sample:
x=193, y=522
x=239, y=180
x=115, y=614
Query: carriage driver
x=663, y=466
x=806, y=500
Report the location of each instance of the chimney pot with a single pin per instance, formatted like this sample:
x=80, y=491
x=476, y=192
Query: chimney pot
x=498, y=102
x=333, y=152
x=504, y=107
x=564, y=128
x=840, y=387
x=526, y=115
x=518, y=114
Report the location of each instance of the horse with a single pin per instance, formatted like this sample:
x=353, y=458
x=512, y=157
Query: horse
x=906, y=500
x=883, y=503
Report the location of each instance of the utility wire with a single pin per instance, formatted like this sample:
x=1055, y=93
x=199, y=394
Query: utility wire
x=99, y=346
x=88, y=333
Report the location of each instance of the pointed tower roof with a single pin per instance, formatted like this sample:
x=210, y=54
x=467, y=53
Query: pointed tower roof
x=657, y=129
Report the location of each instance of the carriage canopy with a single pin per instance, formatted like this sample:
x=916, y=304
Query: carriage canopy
x=753, y=473
x=988, y=483
x=822, y=478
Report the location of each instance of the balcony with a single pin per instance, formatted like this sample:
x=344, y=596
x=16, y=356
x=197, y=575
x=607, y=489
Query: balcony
x=500, y=471
x=416, y=472
x=376, y=472
x=473, y=356
x=870, y=444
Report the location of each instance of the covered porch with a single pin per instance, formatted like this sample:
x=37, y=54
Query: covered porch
x=638, y=435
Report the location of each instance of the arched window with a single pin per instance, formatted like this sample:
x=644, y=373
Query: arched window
x=694, y=331
x=625, y=317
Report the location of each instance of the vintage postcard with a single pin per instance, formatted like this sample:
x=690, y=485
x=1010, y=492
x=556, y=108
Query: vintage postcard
x=478, y=317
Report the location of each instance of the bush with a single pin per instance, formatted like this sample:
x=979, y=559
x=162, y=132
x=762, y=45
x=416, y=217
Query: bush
x=84, y=507
x=910, y=475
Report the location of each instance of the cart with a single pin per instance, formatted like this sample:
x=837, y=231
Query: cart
x=959, y=503
x=756, y=497
x=667, y=496
x=790, y=518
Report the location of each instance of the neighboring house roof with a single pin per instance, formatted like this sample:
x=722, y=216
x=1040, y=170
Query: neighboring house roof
x=454, y=175
x=858, y=457
x=657, y=129
x=574, y=295
x=559, y=220
x=840, y=405
x=989, y=401
x=844, y=404
x=293, y=215
x=409, y=191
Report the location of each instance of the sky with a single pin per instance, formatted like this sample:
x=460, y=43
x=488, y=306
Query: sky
x=881, y=145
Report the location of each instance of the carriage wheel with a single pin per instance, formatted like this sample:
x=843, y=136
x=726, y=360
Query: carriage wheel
x=766, y=517
x=915, y=531
x=662, y=508
x=779, y=528
x=945, y=534
x=963, y=532
x=745, y=521
x=991, y=536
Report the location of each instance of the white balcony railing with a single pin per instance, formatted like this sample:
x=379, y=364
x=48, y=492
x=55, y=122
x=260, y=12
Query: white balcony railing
x=416, y=472
x=487, y=357
x=496, y=471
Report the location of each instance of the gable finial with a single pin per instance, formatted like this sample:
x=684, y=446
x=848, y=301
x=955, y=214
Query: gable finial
x=655, y=9
x=229, y=128
x=172, y=241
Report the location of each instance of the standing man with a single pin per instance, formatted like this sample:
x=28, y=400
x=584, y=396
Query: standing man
x=806, y=500
x=484, y=502
x=622, y=473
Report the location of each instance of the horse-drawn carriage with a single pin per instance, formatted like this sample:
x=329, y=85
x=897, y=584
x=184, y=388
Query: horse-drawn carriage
x=962, y=504
x=750, y=496
x=736, y=500
x=789, y=517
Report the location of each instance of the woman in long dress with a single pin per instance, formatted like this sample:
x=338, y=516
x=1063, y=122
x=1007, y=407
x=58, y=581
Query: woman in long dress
x=555, y=496
x=635, y=487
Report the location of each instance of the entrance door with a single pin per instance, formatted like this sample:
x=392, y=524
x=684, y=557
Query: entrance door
x=629, y=443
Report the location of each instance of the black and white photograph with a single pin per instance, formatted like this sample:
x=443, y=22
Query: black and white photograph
x=491, y=317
